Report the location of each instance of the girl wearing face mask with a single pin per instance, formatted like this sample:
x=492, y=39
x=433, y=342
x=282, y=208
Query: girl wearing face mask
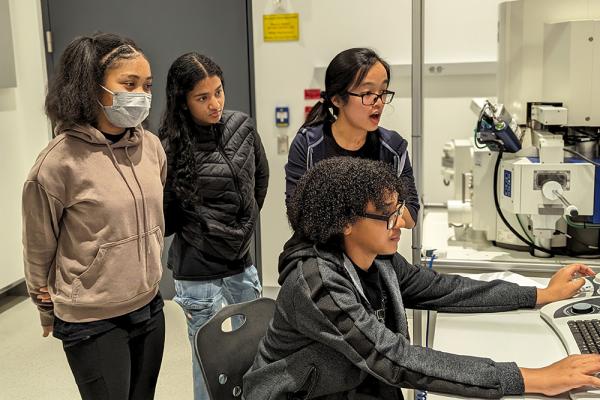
x=217, y=183
x=346, y=123
x=93, y=220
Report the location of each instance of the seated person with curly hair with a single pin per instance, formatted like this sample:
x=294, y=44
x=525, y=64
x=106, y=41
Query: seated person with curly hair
x=340, y=329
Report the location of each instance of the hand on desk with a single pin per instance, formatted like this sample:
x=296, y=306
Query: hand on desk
x=569, y=373
x=563, y=285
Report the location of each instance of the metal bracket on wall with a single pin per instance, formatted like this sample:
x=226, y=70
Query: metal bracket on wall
x=49, y=47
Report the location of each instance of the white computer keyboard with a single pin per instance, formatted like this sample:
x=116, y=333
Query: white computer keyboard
x=576, y=321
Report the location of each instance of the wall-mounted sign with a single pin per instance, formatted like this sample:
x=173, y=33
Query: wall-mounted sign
x=282, y=116
x=280, y=27
x=312, y=94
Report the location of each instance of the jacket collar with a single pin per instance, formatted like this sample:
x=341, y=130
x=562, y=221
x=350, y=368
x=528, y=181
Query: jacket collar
x=349, y=267
x=89, y=134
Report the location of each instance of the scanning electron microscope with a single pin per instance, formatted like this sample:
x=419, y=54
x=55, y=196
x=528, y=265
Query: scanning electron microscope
x=529, y=178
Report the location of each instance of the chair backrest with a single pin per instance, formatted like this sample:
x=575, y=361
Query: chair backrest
x=226, y=356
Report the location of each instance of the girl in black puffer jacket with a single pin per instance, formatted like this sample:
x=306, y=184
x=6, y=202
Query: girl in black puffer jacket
x=216, y=185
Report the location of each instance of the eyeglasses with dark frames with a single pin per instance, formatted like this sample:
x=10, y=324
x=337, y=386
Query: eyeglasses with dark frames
x=392, y=219
x=369, y=99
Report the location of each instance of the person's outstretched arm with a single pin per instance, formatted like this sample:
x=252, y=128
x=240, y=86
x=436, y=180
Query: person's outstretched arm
x=426, y=289
x=569, y=373
x=423, y=288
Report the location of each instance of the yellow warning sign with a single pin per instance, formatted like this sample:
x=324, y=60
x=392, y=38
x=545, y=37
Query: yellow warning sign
x=280, y=27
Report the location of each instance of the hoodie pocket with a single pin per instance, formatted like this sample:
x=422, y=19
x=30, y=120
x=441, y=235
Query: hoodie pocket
x=120, y=272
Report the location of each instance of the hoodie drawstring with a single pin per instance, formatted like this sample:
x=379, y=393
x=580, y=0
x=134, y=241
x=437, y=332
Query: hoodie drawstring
x=144, y=208
x=137, y=217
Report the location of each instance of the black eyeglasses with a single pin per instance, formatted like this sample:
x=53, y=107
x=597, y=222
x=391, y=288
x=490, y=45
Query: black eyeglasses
x=392, y=219
x=369, y=99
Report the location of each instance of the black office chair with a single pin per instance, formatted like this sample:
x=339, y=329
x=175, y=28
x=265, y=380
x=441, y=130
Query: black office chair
x=226, y=356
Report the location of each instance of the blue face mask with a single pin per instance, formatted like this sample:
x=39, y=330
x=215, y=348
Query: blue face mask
x=128, y=109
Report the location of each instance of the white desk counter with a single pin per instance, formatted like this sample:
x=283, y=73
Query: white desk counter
x=520, y=336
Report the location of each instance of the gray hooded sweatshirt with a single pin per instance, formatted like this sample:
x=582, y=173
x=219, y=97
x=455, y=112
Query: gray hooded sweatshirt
x=324, y=339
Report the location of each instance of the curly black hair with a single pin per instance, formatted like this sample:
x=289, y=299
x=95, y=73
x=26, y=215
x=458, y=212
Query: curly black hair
x=74, y=90
x=335, y=193
x=177, y=126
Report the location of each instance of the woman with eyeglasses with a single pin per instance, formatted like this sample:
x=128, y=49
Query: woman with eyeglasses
x=346, y=123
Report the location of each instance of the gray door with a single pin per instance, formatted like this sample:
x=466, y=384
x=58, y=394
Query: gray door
x=165, y=30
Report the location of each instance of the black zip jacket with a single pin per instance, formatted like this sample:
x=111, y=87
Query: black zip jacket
x=212, y=238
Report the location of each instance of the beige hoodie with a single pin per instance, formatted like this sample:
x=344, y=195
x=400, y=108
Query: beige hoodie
x=93, y=224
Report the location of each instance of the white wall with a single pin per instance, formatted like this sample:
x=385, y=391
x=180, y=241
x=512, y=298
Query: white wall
x=24, y=130
x=456, y=31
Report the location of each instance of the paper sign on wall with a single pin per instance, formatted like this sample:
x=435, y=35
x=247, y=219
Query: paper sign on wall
x=280, y=27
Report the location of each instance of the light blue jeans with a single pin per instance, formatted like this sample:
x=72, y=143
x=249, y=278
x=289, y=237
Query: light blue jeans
x=201, y=300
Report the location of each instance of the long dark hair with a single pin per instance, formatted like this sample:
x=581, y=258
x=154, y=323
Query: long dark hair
x=74, y=90
x=345, y=71
x=177, y=126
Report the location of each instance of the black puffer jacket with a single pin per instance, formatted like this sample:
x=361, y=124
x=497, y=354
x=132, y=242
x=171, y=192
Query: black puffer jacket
x=212, y=236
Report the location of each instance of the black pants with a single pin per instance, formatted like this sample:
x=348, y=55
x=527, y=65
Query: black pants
x=121, y=364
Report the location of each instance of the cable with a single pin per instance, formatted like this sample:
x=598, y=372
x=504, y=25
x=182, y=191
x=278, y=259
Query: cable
x=501, y=214
x=582, y=157
x=433, y=257
x=581, y=225
x=522, y=227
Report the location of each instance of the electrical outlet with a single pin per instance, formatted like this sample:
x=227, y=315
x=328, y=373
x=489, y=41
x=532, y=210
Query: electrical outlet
x=282, y=144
